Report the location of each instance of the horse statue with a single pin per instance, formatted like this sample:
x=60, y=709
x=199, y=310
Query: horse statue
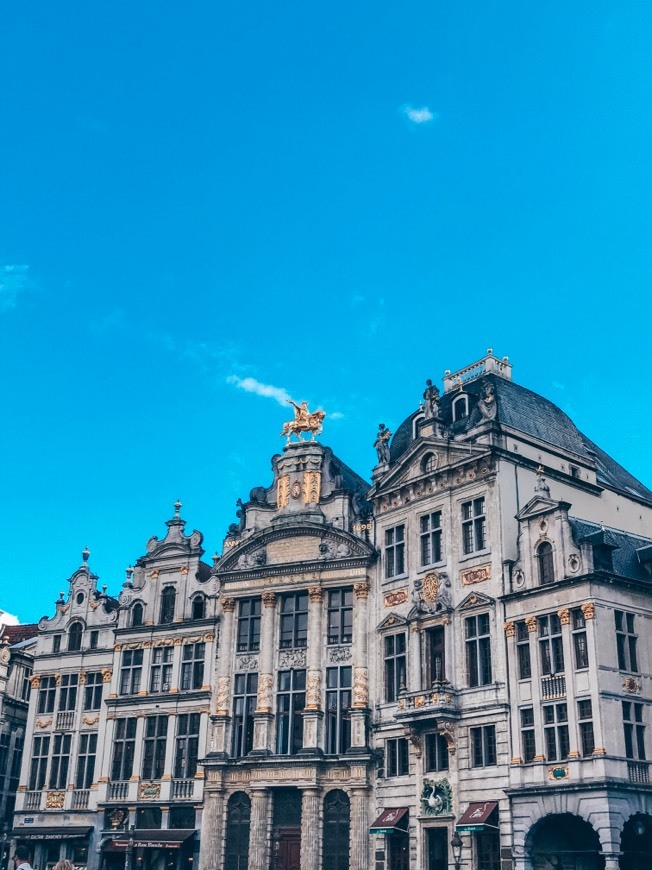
x=304, y=421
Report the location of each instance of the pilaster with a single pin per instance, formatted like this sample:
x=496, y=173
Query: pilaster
x=359, y=836
x=310, y=829
x=259, y=830
x=212, y=835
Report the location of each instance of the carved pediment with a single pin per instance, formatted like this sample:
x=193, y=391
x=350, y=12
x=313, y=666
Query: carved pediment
x=393, y=620
x=540, y=505
x=476, y=599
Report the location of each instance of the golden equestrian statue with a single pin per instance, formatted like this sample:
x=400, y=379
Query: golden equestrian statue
x=303, y=421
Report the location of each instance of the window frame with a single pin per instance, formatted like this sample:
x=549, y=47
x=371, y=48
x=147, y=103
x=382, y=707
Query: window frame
x=160, y=670
x=394, y=665
x=397, y=757
x=339, y=697
x=290, y=704
x=154, y=745
x=131, y=672
x=86, y=758
x=477, y=642
x=528, y=734
x=93, y=689
x=431, y=538
x=193, y=662
x=555, y=731
x=186, y=748
x=626, y=641
x=248, y=630
x=437, y=758
x=545, y=556
x=474, y=525
x=482, y=746
x=394, y=551
x=245, y=697
x=124, y=748
x=340, y=616
x=293, y=633
x=551, y=645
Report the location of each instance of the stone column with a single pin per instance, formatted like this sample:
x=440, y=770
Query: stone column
x=212, y=834
x=611, y=860
x=359, y=836
x=259, y=830
x=263, y=714
x=535, y=682
x=360, y=705
x=416, y=672
x=313, y=715
x=311, y=836
x=223, y=694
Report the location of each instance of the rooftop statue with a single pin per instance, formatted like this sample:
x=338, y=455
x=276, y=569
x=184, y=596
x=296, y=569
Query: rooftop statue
x=382, y=444
x=303, y=421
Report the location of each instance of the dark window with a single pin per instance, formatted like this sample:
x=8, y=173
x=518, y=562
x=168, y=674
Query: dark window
x=528, y=742
x=460, y=409
x=397, y=758
x=68, y=693
x=187, y=746
x=634, y=730
x=192, y=666
x=555, y=730
x=182, y=817
x=294, y=620
x=478, y=650
x=580, y=645
x=585, y=720
x=160, y=675
x=94, y=639
x=290, y=702
x=340, y=616
x=198, y=607
x=395, y=672
x=395, y=551
x=338, y=705
x=436, y=752
x=238, y=821
x=603, y=558
x=137, y=614
x=430, y=535
x=124, y=745
x=249, y=625
x=168, y=601
x=60, y=760
x=93, y=691
x=80, y=598
x=435, y=643
x=38, y=766
x=244, y=704
x=551, y=647
x=473, y=525
x=626, y=641
x=86, y=760
x=131, y=671
x=156, y=730
x=523, y=651
x=429, y=463
x=483, y=746
x=46, y=693
x=546, y=561
x=56, y=643
x=25, y=686
x=337, y=816
x=149, y=818
x=75, y=633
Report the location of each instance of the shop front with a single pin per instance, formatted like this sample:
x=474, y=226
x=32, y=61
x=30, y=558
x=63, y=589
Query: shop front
x=47, y=845
x=150, y=850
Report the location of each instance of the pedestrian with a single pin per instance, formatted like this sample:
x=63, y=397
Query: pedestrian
x=21, y=858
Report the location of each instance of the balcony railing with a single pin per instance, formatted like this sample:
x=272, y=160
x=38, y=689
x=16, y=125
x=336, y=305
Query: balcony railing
x=33, y=800
x=118, y=791
x=441, y=698
x=553, y=687
x=65, y=720
x=80, y=798
x=183, y=788
x=638, y=771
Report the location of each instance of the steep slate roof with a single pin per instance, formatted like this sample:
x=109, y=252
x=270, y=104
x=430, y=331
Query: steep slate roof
x=625, y=559
x=527, y=412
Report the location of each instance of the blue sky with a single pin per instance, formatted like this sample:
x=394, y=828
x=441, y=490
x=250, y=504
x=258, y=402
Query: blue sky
x=337, y=201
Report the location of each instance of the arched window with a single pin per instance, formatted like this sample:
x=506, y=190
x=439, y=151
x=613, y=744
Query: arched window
x=198, y=607
x=237, y=832
x=546, y=563
x=415, y=425
x=137, y=614
x=75, y=636
x=429, y=463
x=460, y=408
x=337, y=821
x=168, y=600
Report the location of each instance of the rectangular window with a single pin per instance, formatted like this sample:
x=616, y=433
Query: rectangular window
x=131, y=671
x=436, y=661
x=397, y=758
x=483, y=746
x=473, y=526
x=86, y=760
x=94, y=639
x=478, y=650
x=634, y=730
x=523, y=651
x=25, y=685
x=585, y=720
x=47, y=691
x=56, y=643
x=160, y=675
x=340, y=616
x=395, y=551
x=580, y=645
x=528, y=742
x=430, y=536
x=38, y=767
x=395, y=670
x=555, y=731
x=60, y=760
x=93, y=691
x=68, y=692
x=338, y=706
x=156, y=732
x=626, y=640
x=249, y=625
x=551, y=647
x=436, y=752
x=294, y=621
x=290, y=702
x=187, y=746
x=192, y=666
x=244, y=703
x=124, y=745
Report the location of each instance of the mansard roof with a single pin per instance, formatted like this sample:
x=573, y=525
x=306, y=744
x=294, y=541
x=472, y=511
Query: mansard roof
x=627, y=549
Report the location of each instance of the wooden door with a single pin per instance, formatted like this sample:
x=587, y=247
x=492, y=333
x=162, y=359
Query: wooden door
x=288, y=849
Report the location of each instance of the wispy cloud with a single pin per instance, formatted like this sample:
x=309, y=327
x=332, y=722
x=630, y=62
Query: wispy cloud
x=268, y=391
x=13, y=282
x=421, y=115
x=8, y=618
x=336, y=415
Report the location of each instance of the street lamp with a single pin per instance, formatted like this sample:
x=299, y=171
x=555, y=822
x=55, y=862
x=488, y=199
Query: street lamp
x=130, y=849
x=456, y=844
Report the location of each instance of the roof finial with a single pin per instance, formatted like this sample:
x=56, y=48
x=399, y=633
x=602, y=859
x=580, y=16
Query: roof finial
x=130, y=573
x=541, y=485
x=177, y=507
x=85, y=554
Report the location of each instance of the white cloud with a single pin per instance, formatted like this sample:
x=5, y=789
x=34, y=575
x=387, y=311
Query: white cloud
x=336, y=415
x=251, y=385
x=8, y=618
x=13, y=281
x=420, y=116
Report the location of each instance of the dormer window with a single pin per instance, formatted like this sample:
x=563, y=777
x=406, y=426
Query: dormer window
x=415, y=425
x=75, y=637
x=546, y=562
x=460, y=408
x=137, y=614
x=168, y=600
x=198, y=607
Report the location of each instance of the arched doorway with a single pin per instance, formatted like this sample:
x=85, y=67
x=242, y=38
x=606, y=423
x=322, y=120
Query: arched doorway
x=636, y=843
x=238, y=817
x=337, y=823
x=564, y=842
